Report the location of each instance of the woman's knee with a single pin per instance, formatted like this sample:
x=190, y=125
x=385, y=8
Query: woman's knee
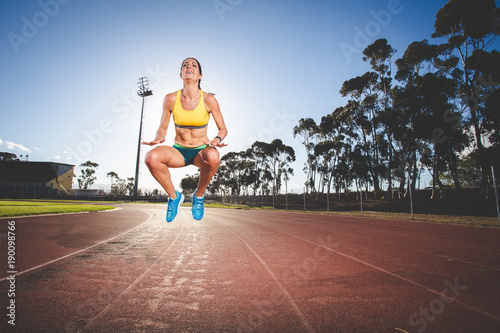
x=211, y=157
x=152, y=158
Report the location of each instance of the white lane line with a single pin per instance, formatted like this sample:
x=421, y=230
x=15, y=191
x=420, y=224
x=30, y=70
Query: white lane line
x=79, y=251
x=443, y=296
x=109, y=210
x=302, y=317
x=132, y=285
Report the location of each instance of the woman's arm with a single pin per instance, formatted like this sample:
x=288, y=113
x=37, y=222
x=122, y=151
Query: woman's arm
x=213, y=107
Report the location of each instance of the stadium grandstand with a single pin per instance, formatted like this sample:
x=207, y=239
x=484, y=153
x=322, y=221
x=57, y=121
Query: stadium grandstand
x=23, y=179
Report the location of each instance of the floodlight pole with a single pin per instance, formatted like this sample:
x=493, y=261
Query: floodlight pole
x=144, y=91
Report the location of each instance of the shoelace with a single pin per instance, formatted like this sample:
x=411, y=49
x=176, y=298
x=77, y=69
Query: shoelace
x=170, y=207
x=198, y=203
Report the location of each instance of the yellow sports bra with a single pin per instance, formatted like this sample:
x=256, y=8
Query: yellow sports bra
x=197, y=118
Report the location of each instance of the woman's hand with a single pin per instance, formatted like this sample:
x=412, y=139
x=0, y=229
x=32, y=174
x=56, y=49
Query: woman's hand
x=215, y=143
x=152, y=143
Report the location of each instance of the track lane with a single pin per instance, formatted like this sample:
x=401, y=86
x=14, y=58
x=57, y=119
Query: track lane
x=463, y=247
x=217, y=275
x=209, y=281
x=65, y=294
x=432, y=281
x=297, y=310
x=90, y=324
x=44, y=239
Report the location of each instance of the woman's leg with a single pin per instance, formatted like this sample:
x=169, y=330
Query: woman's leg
x=159, y=160
x=208, y=161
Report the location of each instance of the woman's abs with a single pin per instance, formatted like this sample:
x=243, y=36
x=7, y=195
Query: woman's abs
x=190, y=138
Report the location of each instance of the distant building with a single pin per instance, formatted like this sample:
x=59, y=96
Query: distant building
x=35, y=179
x=80, y=193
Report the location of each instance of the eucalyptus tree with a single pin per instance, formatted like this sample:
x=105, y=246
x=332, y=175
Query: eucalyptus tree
x=87, y=176
x=234, y=171
x=307, y=130
x=120, y=187
x=281, y=156
x=492, y=125
x=336, y=132
x=427, y=103
x=221, y=184
x=415, y=62
x=328, y=152
x=260, y=153
x=471, y=28
x=468, y=170
x=364, y=110
x=380, y=54
x=112, y=175
x=190, y=183
x=344, y=170
x=130, y=186
x=359, y=169
x=274, y=160
x=249, y=172
x=437, y=93
x=255, y=174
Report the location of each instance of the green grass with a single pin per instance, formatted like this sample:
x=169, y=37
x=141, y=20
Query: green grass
x=10, y=208
x=476, y=221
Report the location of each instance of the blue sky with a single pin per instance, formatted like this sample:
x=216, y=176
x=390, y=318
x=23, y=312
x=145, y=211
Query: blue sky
x=70, y=70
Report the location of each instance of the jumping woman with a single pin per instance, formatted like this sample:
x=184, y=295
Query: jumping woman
x=191, y=109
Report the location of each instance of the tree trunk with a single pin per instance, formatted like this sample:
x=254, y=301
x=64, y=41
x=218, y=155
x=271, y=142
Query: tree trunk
x=402, y=188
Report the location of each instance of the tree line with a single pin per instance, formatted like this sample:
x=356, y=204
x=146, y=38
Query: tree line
x=263, y=168
x=434, y=108
x=119, y=187
x=438, y=110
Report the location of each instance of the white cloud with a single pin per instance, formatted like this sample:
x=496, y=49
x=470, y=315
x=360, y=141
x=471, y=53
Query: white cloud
x=12, y=145
x=1, y=142
x=55, y=157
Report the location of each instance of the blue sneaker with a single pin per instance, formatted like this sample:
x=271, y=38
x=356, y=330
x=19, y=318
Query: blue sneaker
x=173, y=206
x=197, y=209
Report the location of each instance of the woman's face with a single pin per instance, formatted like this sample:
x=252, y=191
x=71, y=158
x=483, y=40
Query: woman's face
x=190, y=70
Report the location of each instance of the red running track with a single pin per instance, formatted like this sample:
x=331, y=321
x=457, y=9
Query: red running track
x=248, y=271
